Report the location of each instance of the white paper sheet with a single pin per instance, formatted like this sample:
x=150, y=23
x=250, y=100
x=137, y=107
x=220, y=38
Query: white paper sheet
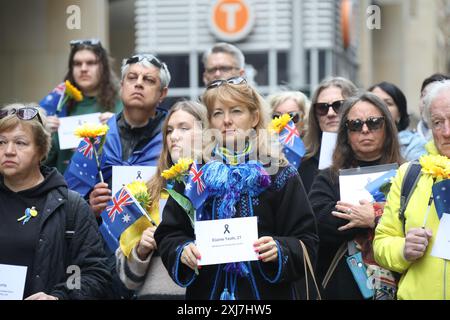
x=226, y=240
x=12, y=282
x=67, y=138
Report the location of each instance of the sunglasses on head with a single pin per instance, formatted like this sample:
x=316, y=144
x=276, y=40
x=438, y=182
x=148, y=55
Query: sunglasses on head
x=372, y=123
x=89, y=42
x=218, y=83
x=27, y=113
x=295, y=116
x=322, y=108
x=139, y=57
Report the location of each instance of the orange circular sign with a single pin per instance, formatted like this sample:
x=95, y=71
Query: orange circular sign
x=231, y=20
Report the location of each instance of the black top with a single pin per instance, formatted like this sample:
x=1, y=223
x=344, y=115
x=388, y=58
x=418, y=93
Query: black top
x=18, y=240
x=42, y=243
x=283, y=212
x=308, y=170
x=135, y=138
x=323, y=197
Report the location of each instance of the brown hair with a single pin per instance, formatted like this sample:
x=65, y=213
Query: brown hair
x=313, y=135
x=343, y=156
x=157, y=182
x=108, y=82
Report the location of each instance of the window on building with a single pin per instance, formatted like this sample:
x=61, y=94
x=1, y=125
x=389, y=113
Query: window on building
x=179, y=69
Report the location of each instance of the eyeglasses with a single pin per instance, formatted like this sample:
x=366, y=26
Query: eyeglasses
x=322, y=108
x=295, y=116
x=27, y=113
x=222, y=69
x=139, y=57
x=218, y=83
x=373, y=123
x=89, y=42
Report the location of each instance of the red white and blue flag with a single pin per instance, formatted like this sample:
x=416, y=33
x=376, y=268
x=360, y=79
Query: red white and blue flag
x=195, y=187
x=122, y=211
x=293, y=146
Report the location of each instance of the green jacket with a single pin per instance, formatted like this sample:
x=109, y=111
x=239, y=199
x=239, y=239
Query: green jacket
x=60, y=158
x=427, y=277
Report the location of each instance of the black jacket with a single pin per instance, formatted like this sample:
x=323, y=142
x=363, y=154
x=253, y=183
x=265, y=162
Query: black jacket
x=323, y=197
x=308, y=170
x=283, y=212
x=56, y=255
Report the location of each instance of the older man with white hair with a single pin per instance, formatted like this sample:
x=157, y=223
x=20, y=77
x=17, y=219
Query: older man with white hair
x=404, y=239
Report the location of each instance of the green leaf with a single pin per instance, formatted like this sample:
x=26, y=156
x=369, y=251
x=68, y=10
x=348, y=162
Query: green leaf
x=184, y=202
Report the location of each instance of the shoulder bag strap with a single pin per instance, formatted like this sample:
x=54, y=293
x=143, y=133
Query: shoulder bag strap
x=338, y=256
x=308, y=265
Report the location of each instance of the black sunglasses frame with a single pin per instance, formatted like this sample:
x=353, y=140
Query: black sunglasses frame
x=322, y=108
x=372, y=123
x=21, y=113
x=153, y=60
x=232, y=80
x=89, y=42
x=295, y=116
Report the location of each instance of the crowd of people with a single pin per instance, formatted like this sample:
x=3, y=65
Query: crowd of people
x=51, y=215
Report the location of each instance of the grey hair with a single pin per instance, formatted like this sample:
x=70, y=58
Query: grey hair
x=164, y=74
x=223, y=47
x=433, y=91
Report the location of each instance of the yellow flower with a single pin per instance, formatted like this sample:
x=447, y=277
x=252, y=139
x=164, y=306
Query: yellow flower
x=72, y=91
x=278, y=124
x=91, y=130
x=139, y=190
x=435, y=165
x=177, y=170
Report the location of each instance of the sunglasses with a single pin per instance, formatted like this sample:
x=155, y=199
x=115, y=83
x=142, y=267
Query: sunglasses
x=139, y=57
x=89, y=42
x=373, y=123
x=218, y=83
x=295, y=116
x=322, y=108
x=27, y=113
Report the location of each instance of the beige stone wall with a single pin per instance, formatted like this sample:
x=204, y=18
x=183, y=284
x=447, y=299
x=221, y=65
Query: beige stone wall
x=35, y=43
x=413, y=43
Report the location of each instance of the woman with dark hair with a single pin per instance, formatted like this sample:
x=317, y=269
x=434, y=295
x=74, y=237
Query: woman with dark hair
x=90, y=71
x=365, y=138
x=412, y=145
x=323, y=116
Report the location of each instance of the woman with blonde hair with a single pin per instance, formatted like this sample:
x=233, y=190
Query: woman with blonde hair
x=244, y=176
x=294, y=103
x=141, y=268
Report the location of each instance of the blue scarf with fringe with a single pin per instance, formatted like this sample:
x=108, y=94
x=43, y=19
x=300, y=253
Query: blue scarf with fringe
x=228, y=183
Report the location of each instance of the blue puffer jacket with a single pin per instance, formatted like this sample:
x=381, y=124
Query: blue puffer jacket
x=412, y=145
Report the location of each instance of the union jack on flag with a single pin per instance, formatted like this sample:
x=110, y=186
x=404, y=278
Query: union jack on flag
x=86, y=147
x=120, y=201
x=197, y=177
x=293, y=146
x=197, y=194
x=289, y=134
